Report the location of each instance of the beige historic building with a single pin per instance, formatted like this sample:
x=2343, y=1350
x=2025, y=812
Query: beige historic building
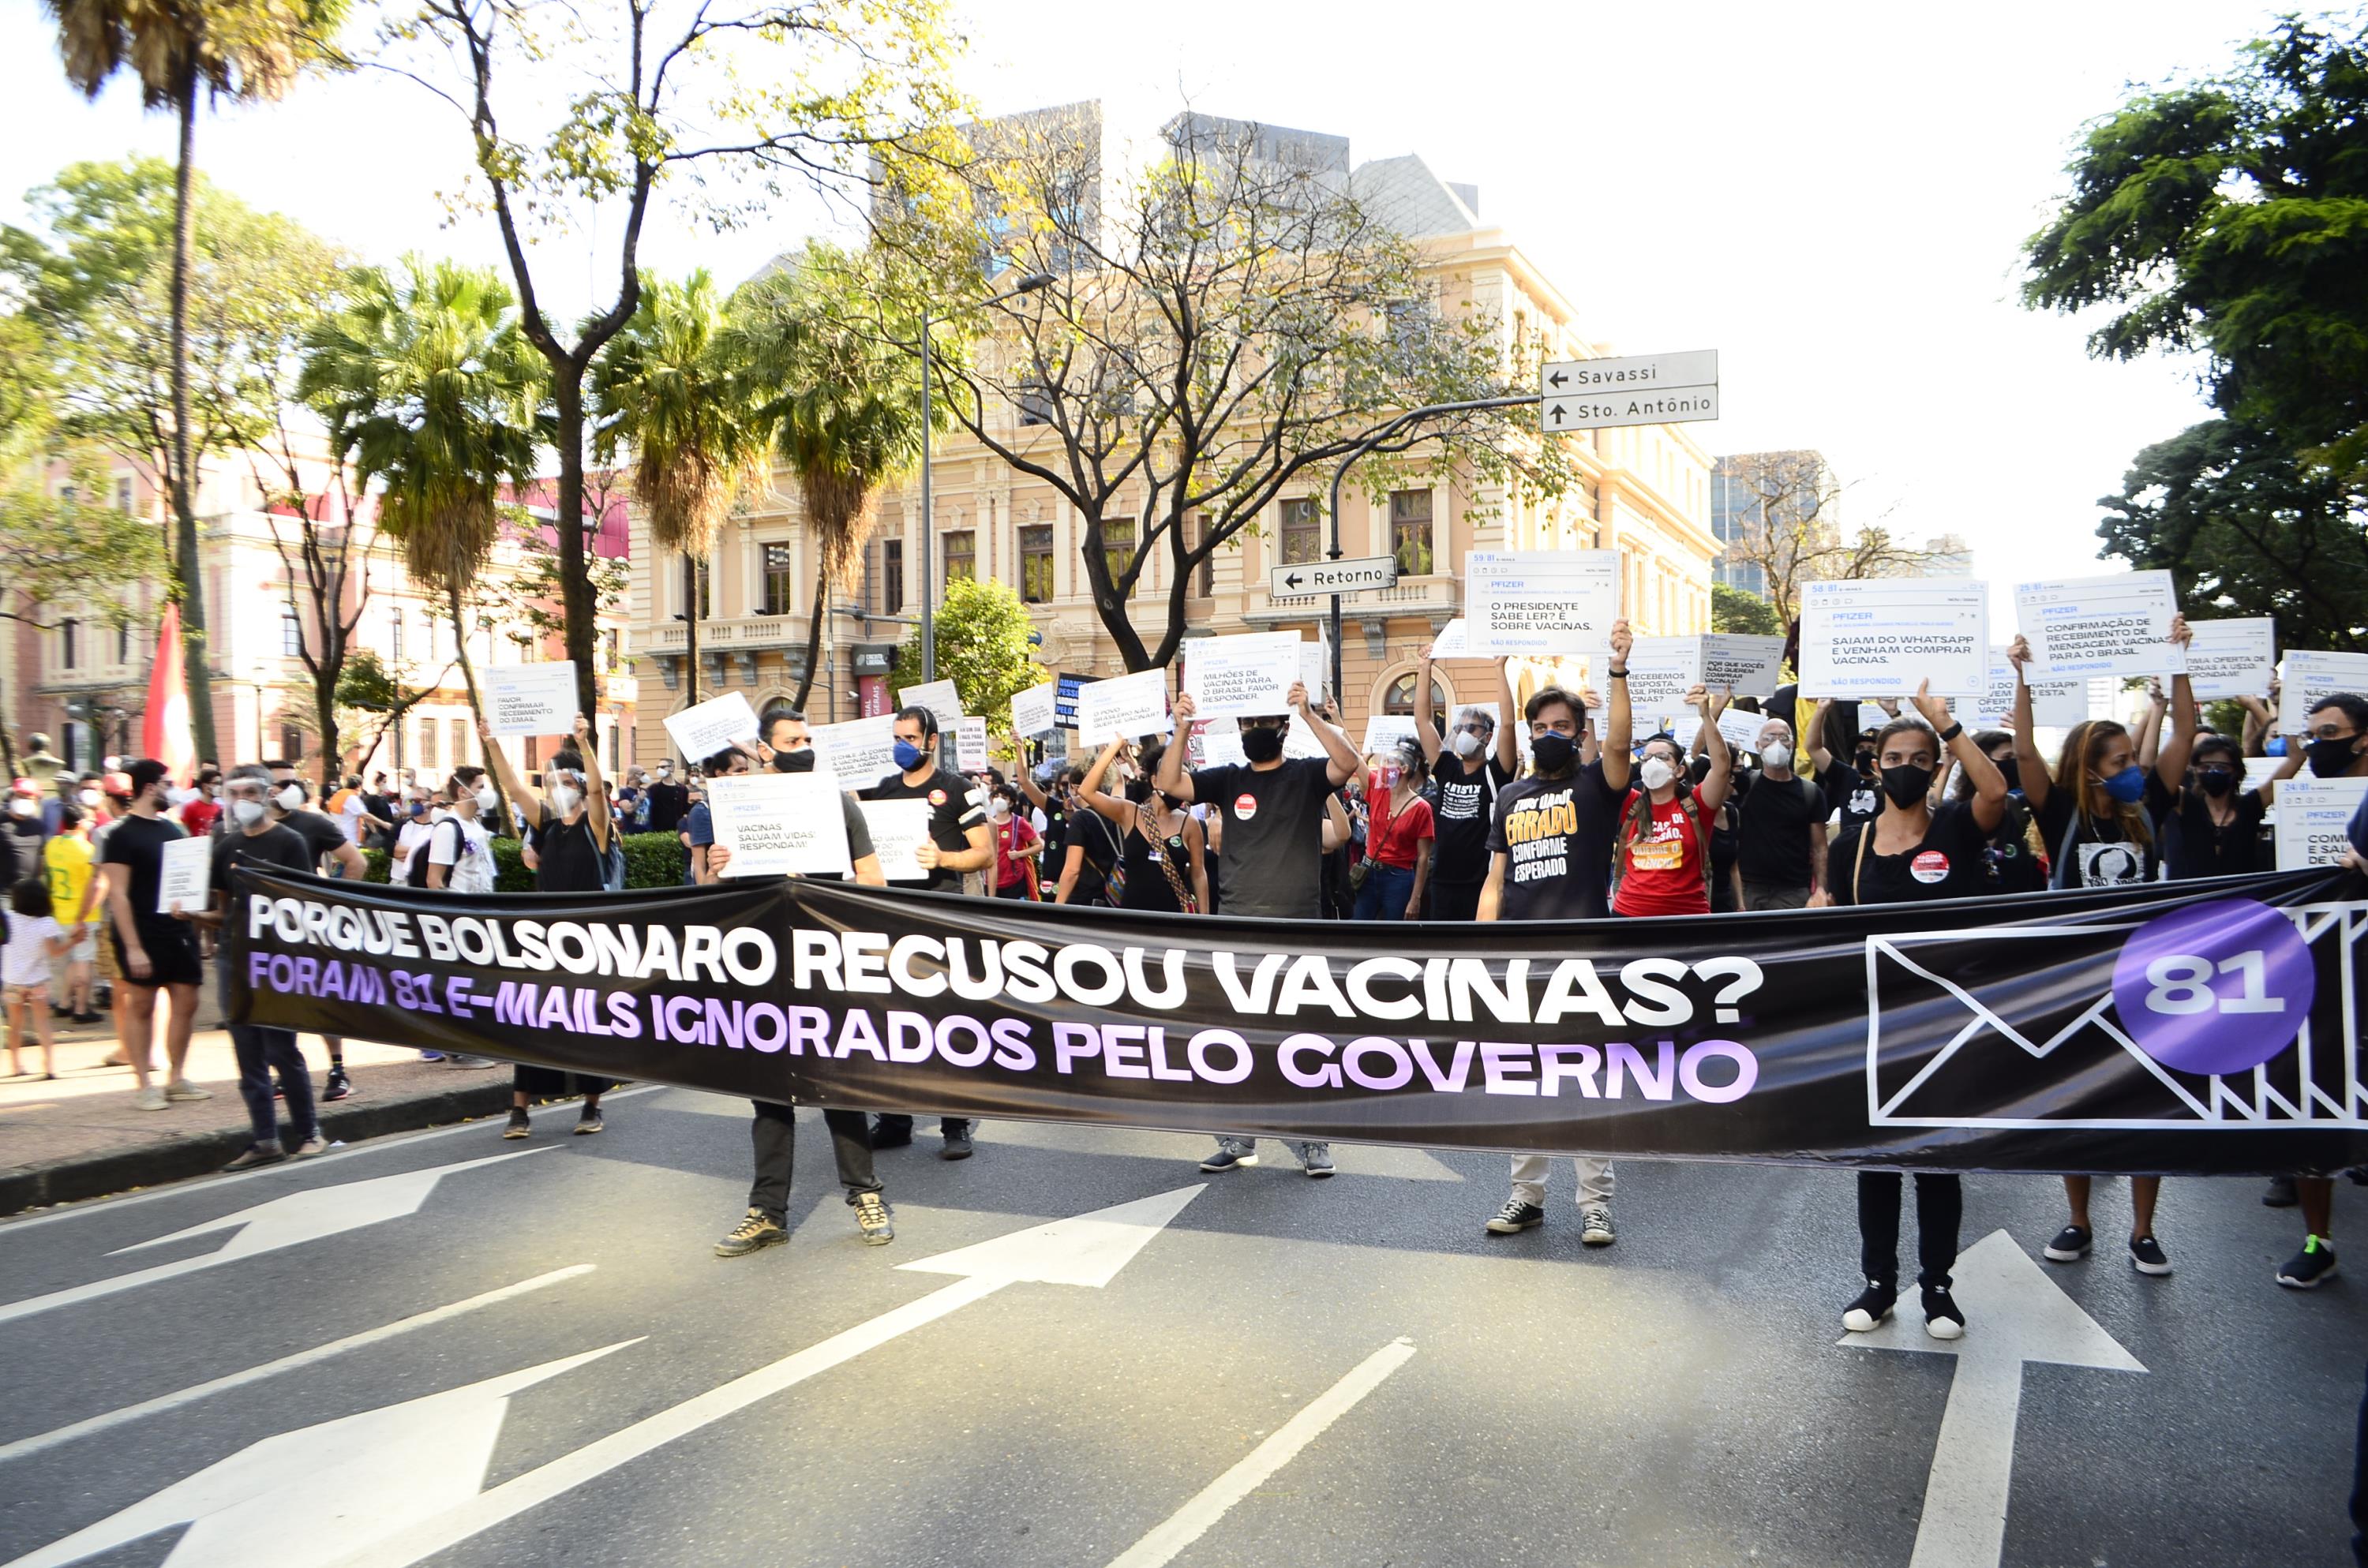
x=1644, y=491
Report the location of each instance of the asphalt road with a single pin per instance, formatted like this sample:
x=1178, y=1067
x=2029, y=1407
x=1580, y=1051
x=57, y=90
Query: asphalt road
x=1677, y=1399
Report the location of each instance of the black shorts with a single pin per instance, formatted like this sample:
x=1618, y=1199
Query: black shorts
x=173, y=958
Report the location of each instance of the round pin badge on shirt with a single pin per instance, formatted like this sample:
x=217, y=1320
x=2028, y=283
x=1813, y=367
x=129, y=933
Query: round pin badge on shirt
x=1929, y=867
x=936, y=797
x=1245, y=807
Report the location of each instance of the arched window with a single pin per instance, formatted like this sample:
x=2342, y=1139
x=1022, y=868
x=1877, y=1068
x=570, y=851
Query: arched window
x=1400, y=696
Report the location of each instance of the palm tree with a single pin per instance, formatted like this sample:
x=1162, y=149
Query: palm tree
x=228, y=49
x=430, y=391
x=840, y=400
x=662, y=390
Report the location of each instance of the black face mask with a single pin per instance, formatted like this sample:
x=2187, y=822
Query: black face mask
x=2332, y=758
x=1866, y=763
x=2215, y=782
x=1555, y=753
x=1138, y=789
x=799, y=761
x=1906, y=784
x=2013, y=769
x=1261, y=745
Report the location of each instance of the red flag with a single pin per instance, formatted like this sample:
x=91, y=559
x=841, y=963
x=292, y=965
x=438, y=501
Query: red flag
x=164, y=727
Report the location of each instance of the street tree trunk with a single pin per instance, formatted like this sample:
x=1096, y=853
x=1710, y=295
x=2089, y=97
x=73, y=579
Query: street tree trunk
x=813, y=641
x=690, y=607
x=189, y=585
x=581, y=634
x=469, y=679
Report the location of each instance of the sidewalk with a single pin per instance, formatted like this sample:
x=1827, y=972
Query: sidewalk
x=81, y=1136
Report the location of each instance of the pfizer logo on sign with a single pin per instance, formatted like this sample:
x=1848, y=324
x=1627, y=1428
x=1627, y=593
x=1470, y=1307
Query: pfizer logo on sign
x=2217, y=989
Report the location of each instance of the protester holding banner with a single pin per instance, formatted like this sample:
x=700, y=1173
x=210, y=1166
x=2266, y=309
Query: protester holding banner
x=1780, y=827
x=2212, y=824
x=153, y=953
x=1161, y=868
x=1399, y=833
x=1273, y=809
x=1018, y=846
x=1469, y=768
x=567, y=850
x=2016, y=858
x=1661, y=861
x=459, y=854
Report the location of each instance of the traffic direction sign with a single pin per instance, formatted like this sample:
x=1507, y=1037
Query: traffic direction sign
x=1641, y=388
x=1333, y=576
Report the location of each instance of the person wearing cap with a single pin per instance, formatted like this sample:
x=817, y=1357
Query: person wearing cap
x=39, y=759
x=153, y=953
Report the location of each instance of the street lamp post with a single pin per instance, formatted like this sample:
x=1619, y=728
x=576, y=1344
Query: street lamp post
x=1027, y=285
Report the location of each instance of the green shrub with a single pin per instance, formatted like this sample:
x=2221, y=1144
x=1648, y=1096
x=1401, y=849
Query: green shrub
x=652, y=860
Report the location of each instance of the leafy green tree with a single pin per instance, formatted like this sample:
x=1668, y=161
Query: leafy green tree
x=1739, y=610
x=2245, y=529
x=982, y=648
x=239, y=50
x=430, y=391
x=721, y=108
x=840, y=400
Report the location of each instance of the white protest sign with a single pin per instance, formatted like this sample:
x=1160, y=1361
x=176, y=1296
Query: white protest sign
x=938, y=696
x=778, y=823
x=532, y=700
x=699, y=733
x=1236, y=677
x=2312, y=676
x=1660, y=672
x=1741, y=729
x=188, y=875
x=1886, y=637
x=2312, y=816
x=1541, y=601
x=860, y=752
x=1453, y=641
x=2259, y=770
x=2057, y=703
x=970, y=743
x=2232, y=658
x=1123, y=705
x=1221, y=743
x=1031, y=710
x=1303, y=738
x=1386, y=733
x=1315, y=667
x=2117, y=625
x=1742, y=666
x=898, y=828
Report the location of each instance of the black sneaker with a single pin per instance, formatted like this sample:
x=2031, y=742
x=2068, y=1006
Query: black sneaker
x=339, y=1086
x=1315, y=1159
x=2280, y=1193
x=2306, y=1268
x=589, y=1122
x=751, y=1234
x=957, y=1147
x=2146, y=1256
x=1873, y=1305
x=871, y=1219
x=2070, y=1245
x=886, y=1136
x=518, y=1125
x=1942, y=1318
x=1228, y=1160
x=1516, y=1217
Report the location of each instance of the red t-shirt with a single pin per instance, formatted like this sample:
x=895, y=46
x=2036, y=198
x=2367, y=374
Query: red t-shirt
x=1392, y=840
x=1662, y=870
x=1010, y=834
x=198, y=816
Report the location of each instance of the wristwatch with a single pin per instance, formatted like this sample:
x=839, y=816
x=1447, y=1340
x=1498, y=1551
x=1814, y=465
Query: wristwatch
x=1616, y=675
x=1951, y=733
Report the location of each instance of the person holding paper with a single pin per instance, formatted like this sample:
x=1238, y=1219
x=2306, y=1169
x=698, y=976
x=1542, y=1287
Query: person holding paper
x=959, y=841
x=1090, y=847
x=1661, y=864
x=1398, y=838
x=1914, y=852
x=152, y=952
x=1017, y=845
x=1163, y=870
x=1471, y=766
x=567, y=850
x=1780, y=827
x=251, y=838
x=1273, y=809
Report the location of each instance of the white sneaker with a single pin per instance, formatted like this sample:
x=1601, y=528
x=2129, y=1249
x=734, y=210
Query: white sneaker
x=1595, y=1226
x=151, y=1099
x=182, y=1089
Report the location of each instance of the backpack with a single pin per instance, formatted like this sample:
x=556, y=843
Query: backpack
x=612, y=863
x=414, y=868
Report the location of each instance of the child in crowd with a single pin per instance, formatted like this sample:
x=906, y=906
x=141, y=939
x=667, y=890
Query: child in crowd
x=36, y=942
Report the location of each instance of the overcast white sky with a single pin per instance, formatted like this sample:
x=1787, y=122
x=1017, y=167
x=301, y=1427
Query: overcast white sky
x=1830, y=196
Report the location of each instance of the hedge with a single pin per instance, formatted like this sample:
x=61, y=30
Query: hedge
x=652, y=860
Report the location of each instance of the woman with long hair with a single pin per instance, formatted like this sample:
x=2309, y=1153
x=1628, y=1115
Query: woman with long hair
x=1162, y=869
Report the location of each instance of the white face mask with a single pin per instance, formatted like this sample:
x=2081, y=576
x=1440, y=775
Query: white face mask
x=248, y=813
x=1466, y=742
x=998, y=811
x=88, y=797
x=175, y=796
x=563, y=799
x=1656, y=772
x=1777, y=754
x=21, y=807
x=487, y=801
x=291, y=797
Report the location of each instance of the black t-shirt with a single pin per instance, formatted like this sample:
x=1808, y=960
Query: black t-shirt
x=1773, y=833
x=1274, y=835
x=2091, y=852
x=1096, y=844
x=137, y=844
x=273, y=849
x=955, y=807
x=1949, y=863
x=2198, y=846
x=319, y=834
x=1857, y=797
x=858, y=839
x=567, y=857
x=1463, y=809
x=668, y=802
x=1555, y=835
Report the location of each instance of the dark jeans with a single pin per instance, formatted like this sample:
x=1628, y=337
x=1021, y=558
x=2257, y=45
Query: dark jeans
x=259, y=1051
x=1939, y=1207
x=1013, y=890
x=2360, y=1490
x=895, y=1125
x=1385, y=893
x=1455, y=901
x=775, y=1135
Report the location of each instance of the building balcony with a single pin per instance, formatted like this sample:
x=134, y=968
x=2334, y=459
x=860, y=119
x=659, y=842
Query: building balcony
x=745, y=633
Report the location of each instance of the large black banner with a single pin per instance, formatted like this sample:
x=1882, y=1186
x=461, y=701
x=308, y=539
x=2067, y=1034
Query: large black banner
x=2192, y=1028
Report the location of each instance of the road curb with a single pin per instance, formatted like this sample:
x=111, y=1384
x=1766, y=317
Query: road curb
x=100, y=1175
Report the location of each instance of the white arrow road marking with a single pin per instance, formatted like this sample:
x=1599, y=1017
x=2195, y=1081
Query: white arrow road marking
x=2018, y=1314
x=1191, y=1521
x=197, y=1392
x=1088, y=1249
x=275, y=1504
x=291, y=1221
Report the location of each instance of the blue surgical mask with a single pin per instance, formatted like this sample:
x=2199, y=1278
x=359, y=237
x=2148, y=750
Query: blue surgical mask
x=908, y=755
x=2128, y=786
